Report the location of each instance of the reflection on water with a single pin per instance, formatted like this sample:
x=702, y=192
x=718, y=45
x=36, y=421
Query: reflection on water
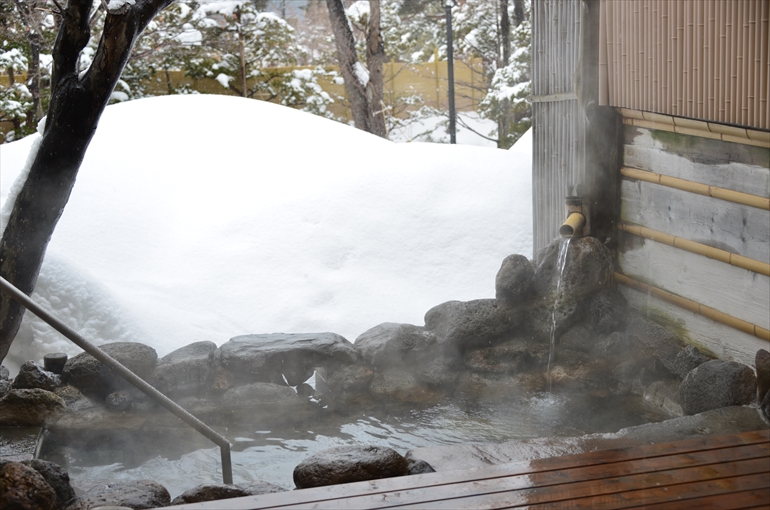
x=271, y=455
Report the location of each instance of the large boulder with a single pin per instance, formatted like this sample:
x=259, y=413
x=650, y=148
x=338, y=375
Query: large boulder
x=31, y=375
x=137, y=494
x=185, y=371
x=346, y=464
x=265, y=402
x=347, y=384
x=282, y=358
x=96, y=380
x=689, y=358
x=400, y=384
x=507, y=358
x=607, y=311
x=716, y=384
x=513, y=284
x=391, y=344
x=30, y=407
x=23, y=488
x=56, y=477
x=216, y=492
x=762, y=364
x=657, y=342
x=463, y=325
x=564, y=296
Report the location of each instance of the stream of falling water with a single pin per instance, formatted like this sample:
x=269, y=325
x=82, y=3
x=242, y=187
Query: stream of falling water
x=561, y=261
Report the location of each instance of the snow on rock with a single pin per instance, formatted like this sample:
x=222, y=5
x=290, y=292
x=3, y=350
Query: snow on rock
x=270, y=220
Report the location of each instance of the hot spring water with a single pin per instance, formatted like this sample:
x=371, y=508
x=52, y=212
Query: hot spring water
x=270, y=454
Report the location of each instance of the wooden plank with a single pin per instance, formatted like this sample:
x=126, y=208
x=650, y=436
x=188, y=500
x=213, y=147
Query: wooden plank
x=712, y=337
x=724, y=287
x=757, y=498
x=381, y=488
x=728, y=226
x=695, y=148
x=569, y=484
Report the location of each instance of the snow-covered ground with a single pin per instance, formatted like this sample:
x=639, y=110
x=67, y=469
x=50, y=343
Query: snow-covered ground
x=204, y=217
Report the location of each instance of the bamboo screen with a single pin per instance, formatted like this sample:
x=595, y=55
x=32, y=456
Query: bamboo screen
x=702, y=59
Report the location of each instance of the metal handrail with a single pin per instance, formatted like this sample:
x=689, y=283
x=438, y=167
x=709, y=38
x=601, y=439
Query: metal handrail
x=128, y=375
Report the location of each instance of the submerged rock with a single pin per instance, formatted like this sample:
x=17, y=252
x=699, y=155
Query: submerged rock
x=215, y=492
x=96, y=380
x=138, y=495
x=282, y=358
x=716, y=384
x=346, y=464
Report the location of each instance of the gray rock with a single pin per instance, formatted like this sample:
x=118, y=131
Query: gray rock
x=33, y=376
x=664, y=396
x=510, y=357
x=607, y=311
x=513, y=284
x=185, y=371
x=462, y=325
x=278, y=356
x=345, y=383
x=440, y=371
x=5, y=387
x=5, y=374
x=565, y=298
x=138, y=495
x=220, y=491
x=762, y=364
x=54, y=362
x=689, y=358
x=764, y=407
x=400, y=384
x=657, y=341
x=23, y=488
x=96, y=380
x=265, y=402
x=577, y=371
x=346, y=464
x=30, y=407
x=493, y=386
x=419, y=467
x=716, y=384
x=579, y=338
x=391, y=344
x=118, y=401
x=56, y=477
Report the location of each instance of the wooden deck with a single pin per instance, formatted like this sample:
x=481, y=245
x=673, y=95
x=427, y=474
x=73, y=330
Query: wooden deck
x=731, y=471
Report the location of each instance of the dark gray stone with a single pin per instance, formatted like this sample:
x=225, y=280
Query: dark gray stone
x=30, y=407
x=185, y=371
x=54, y=362
x=138, y=495
x=391, y=344
x=97, y=381
x=346, y=382
x=764, y=407
x=565, y=298
x=507, y=358
x=460, y=325
x=33, y=376
x=56, y=477
x=346, y=464
x=5, y=374
x=440, y=371
x=513, y=284
x=278, y=356
x=663, y=396
x=220, y=491
x=23, y=488
x=419, y=467
x=579, y=338
x=402, y=385
x=5, y=387
x=689, y=358
x=118, y=401
x=657, y=341
x=607, y=311
x=762, y=364
x=716, y=384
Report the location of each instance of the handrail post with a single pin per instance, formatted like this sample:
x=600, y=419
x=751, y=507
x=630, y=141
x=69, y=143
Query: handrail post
x=125, y=373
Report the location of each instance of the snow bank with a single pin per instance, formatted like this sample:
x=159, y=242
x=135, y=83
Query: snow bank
x=205, y=217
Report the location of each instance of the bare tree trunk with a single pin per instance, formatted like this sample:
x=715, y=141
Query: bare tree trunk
x=346, y=54
x=503, y=121
x=73, y=114
x=375, y=57
x=241, y=53
x=518, y=12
